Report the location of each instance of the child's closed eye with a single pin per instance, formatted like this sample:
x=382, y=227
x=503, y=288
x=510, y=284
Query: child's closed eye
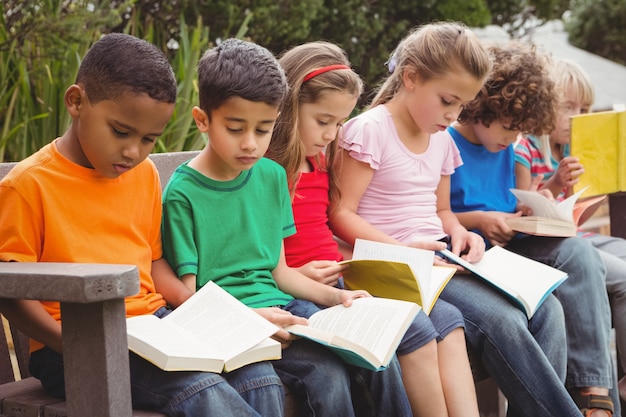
x=119, y=133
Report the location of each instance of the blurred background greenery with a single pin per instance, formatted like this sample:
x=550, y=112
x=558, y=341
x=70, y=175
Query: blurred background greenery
x=42, y=42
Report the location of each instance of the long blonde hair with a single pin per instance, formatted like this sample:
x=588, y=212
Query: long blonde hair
x=286, y=148
x=431, y=51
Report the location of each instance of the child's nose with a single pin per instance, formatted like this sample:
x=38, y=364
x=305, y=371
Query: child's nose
x=249, y=142
x=330, y=134
x=131, y=151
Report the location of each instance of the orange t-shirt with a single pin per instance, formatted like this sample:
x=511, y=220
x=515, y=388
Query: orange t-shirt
x=52, y=210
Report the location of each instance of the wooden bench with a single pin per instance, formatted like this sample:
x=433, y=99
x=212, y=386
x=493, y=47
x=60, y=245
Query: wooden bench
x=94, y=336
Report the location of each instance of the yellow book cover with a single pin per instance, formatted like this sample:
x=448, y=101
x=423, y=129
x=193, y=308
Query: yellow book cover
x=599, y=141
x=398, y=272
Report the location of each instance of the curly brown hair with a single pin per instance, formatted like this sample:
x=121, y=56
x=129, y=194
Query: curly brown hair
x=519, y=91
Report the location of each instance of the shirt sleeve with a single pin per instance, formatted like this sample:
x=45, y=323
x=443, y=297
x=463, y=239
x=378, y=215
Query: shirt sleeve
x=177, y=229
x=452, y=156
x=523, y=153
x=363, y=140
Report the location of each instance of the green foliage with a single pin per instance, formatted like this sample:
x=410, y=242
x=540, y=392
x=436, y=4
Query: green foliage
x=181, y=133
x=521, y=16
x=598, y=27
x=473, y=12
x=42, y=42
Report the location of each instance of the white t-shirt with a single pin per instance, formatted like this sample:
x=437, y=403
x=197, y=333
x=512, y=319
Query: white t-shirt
x=400, y=200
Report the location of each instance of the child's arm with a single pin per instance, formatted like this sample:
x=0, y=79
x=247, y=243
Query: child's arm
x=281, y=318
x=325, y=272
x=168, y=285
x=523, y=177
x=353, y=179
x=292, y=282
x=467, y=244
x=31, y=318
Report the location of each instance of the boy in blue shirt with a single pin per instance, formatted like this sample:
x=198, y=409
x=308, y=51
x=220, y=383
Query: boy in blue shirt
x=518, y=97
x=227, y=211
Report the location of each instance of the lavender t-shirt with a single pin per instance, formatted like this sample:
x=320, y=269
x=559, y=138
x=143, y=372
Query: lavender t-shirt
x=400, y=200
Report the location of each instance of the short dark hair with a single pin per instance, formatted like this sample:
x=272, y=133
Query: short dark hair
x=118, y=63
x=237, y=68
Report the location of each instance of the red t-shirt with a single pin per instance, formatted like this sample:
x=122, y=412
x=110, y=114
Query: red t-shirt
x=313, y=239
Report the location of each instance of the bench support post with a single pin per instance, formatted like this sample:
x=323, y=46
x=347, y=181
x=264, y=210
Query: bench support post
x=95, y=355
x=617, y=214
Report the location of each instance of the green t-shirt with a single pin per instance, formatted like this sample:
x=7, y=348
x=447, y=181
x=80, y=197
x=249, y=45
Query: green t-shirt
x=229, y=232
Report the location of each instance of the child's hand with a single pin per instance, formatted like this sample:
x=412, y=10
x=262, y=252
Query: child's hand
x=494, y=227
x=346, y=297
x=433, y=245
x=326, y=272
x=281, y=318
x=567, y=172
x=469, y=245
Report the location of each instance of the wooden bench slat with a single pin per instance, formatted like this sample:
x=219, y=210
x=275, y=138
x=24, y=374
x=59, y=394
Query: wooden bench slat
x=28, y=404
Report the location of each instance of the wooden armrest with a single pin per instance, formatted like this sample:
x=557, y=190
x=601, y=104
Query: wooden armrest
x=67, y=282
x=95, y=348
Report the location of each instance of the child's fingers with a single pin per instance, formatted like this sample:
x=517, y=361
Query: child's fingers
x=535, y=182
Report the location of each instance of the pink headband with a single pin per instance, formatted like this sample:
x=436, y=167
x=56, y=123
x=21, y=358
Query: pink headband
x=323, y=70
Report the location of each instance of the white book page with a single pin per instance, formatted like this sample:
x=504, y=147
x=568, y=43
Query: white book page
x=526, y=277
x=567, y=205
x=420, y=260
x=542, y=206
x=217, y=317
x=169, y=339
x=369, y=322
x=438, y=276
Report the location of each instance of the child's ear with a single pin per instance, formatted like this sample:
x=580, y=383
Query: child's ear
x=74, y=97
x=201, y=118
x=409, y=79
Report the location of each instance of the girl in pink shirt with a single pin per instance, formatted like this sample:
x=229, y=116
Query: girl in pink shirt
x=323, y=93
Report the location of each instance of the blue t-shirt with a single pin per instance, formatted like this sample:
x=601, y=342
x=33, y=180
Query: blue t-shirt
x=484, y=179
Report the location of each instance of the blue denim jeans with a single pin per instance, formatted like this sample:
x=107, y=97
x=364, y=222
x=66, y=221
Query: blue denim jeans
x=527, y=358
x=613, y=253
x=254, y=390
x=586, y=307
x=327, y=386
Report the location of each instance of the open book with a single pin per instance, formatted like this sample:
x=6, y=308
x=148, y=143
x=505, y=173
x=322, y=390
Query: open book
x=398, y=272
x=599, y=141
x=525, y=281
x=366, y=334
x=551, y=218
x=212, y=331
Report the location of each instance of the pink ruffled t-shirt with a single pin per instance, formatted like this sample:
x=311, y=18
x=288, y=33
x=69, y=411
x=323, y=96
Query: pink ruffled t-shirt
x=400, y=200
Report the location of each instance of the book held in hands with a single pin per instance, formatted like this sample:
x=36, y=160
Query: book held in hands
x=599, y=142
x=395, y=271
x=526, y=282
x=552, y=218
x=212, y=331
x=366, y=334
